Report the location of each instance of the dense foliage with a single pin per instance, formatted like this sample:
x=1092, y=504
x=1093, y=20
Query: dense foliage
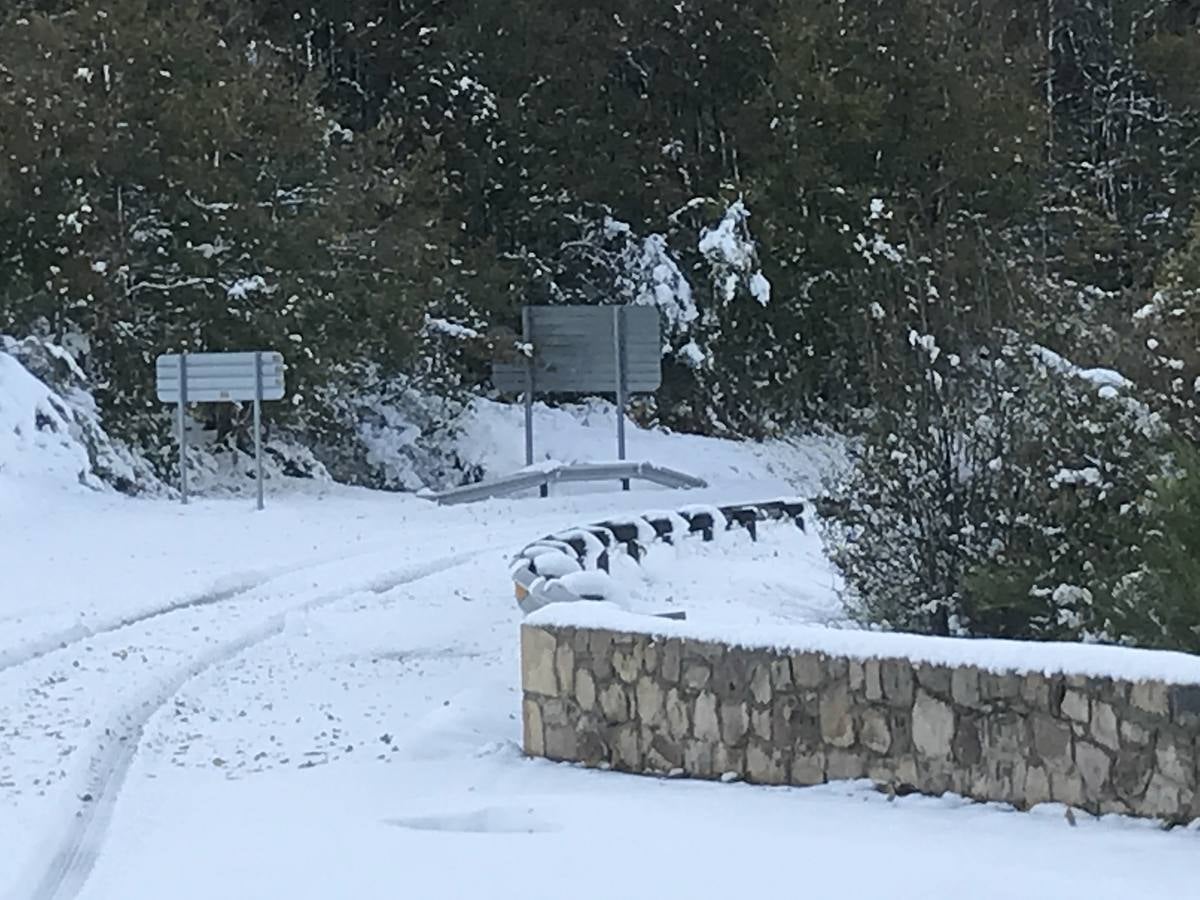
x=917, y=219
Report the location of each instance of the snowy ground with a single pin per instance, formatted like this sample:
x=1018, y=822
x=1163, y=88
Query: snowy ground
x=321, y=700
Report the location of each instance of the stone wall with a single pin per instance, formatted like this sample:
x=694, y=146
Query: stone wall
x=679, y=706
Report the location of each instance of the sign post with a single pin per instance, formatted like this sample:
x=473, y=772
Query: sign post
x=215, y=378
x=582, y=350
x=619, y=384
x=258, y=397
x=183, y=399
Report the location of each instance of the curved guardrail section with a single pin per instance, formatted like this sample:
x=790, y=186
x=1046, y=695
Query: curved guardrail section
x=564, y=473
x=548, y=570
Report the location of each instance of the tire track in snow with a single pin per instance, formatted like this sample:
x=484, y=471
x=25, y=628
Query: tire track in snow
x=60, y=640
x=75, y=855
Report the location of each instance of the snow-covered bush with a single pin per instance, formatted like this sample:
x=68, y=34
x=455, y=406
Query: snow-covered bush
x=1003, y=492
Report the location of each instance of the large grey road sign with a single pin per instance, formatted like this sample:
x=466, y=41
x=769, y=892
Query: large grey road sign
x=184, y=378
x=220, y=377
x=573, y=351
x=581, y=350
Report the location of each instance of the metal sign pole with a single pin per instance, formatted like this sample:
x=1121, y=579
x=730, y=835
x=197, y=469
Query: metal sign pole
x=619, y=376
x=258, y=393
x=183, y=485
x=527, y=337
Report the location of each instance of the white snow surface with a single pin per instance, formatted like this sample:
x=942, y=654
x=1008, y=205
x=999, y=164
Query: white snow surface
x=322, y=700
x=35, y=430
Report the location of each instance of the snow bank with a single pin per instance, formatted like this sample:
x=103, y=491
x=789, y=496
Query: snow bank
x=996, y=656
x=50, y=427
x=35, y=430
x=491, y=438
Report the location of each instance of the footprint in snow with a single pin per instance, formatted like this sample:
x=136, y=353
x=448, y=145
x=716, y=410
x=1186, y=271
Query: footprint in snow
x=489, y=820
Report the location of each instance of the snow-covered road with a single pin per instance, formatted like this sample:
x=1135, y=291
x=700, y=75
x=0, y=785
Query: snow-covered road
x=322, y=701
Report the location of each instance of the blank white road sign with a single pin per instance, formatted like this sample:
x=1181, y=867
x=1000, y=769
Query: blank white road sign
x=217, y=377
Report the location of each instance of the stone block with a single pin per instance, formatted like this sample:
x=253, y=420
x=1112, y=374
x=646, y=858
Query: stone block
x=1067, y=787
x=855, y=675
x=729, y=759
x=967, y=747
x=649, y=698
x=900, y=724
x=1175, y=759
x=1076, y=706
x=1006, y=735
x=760, y=723
x=614, y=703
x=1051, y=740
x=760, y=683
x=650, y=657
x=934, y=679
x=585, y=690
x=590, y=747
x=662, y=753
x=905, y=769
x=837, y=668
x=1035, y=691
x=534, y=732
x=781, y=674
x=627, y=748
x=1094, y=766
x=964, y=687
x=1132, y=772
x=933, y=726
x=808, y=767
x=1104, y=725
x=875, y=732
x=696, y=676
x=708, y=652
x=765, y=765
x=554, y=712
x=897, y=677
x=790, y=721
x=1164, y=798
x=837, y=724
x=872, y=685
x=600, y=647
x=1134, y=735
x=843, y=765
x=698, y=759
x=672, y=653
x=579, y=641
x=627, y=662
x=538, y=647
x=807, y=670
x=564, y=667
x=678, y=724
x=1000, y=686
x=1184, y=701
x=705, y=726
x=561, y=743
x=1151, y=697
x=1037, y=786
x=735, y=722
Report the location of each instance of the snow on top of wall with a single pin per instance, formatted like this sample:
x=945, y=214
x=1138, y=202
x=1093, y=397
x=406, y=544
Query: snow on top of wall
x=991, y=655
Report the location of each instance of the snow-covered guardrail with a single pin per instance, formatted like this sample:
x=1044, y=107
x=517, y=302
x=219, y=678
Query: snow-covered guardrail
x=572, y=565
x=543, y=476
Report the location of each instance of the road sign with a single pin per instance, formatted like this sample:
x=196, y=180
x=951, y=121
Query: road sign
x=584, y=349
x=184, y=378
x=220, y=377
x=573, y=351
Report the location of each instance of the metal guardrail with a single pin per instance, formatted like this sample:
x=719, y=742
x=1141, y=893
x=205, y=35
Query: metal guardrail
x=564, y=473
x=537, y=571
